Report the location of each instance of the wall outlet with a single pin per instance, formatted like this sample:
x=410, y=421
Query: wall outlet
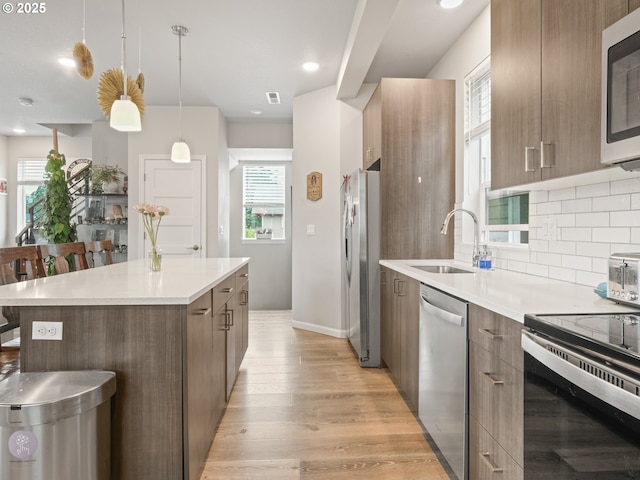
x=46, y=331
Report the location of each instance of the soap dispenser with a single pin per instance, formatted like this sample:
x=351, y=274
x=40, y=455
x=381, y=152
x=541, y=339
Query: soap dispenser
x=485, y=258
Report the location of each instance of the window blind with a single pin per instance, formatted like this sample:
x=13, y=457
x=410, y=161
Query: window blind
x=264, y=185
x=478, y=101
x=31, y=169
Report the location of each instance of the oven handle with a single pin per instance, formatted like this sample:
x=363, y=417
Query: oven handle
x=562, y=363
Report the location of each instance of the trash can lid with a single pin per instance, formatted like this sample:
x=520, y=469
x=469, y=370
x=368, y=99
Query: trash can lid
x=35, y=398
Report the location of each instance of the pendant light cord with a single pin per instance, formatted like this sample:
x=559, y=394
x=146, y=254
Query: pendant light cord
x=84, y=21
x=124, y=55
x=180, y=82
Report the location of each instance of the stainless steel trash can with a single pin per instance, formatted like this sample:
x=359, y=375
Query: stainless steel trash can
x=56, y=425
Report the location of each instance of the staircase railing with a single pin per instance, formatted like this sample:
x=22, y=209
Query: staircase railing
x=78, y=184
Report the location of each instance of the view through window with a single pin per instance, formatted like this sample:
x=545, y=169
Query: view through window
x=263, y=201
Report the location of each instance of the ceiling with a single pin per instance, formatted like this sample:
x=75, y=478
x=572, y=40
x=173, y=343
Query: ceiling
x=236, y=51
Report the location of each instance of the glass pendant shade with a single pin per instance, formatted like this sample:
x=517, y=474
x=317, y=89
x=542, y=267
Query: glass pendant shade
x=180, y=153
x=125, y=116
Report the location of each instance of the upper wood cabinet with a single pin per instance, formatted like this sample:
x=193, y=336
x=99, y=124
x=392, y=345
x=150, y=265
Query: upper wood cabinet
x=633, y=4
x=417, y=135
x=546, y=81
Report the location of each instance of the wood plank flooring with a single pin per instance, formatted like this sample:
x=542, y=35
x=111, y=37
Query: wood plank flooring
x=303, y=409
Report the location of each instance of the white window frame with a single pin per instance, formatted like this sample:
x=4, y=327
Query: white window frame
x=478, y=174
x=26, y=175
x=277, y=201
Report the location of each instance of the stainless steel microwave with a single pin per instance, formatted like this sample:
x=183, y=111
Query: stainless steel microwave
x=621, y=92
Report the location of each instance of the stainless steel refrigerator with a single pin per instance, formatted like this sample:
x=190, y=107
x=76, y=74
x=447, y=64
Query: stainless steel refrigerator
x=361, y=255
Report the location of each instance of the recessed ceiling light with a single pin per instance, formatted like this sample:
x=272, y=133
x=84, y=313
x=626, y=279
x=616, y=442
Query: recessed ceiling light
x=19, y=130
x=310, y=66
x=25, y=102
x=449, y=3
x=256, y=111
x=67, y=62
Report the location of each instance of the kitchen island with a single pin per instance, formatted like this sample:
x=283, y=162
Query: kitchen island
x=174, y=338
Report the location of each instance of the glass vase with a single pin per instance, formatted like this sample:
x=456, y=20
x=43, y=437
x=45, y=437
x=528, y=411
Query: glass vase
x=155, y=259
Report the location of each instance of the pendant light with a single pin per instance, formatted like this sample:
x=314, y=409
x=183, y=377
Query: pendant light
x=180, y=151
x=125, y=116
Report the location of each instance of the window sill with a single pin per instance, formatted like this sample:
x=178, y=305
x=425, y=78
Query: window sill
x=272, y=241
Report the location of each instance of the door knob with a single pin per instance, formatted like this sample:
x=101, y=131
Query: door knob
x=195, y=247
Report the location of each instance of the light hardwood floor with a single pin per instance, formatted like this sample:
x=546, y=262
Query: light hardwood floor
x=302, y=408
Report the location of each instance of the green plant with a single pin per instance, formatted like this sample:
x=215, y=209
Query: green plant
x=56, y=220
x=100, y=174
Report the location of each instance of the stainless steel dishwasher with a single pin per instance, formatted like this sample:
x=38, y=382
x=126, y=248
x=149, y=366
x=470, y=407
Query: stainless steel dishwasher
x=442, y=395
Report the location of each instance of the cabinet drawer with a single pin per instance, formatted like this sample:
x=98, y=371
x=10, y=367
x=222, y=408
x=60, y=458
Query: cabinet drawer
x=487, y=460
x=202, y=303
x=223, y=292
x=242, y=277
x=497, y=399
x=498, y=334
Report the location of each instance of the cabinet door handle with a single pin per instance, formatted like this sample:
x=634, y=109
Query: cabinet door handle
x=227, y=290
x=528, y=159
x=492, y=379
x=488, y=333
x=244, y=297
x=395, y=285
x=230, y=311
x=203, y=311
x=226, y=325
x=486, y=456
x=401, y=292
x=244, y=275
x=547, y=157
x=383, y=277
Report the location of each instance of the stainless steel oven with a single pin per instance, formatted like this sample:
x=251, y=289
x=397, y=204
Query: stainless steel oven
x=582, y=397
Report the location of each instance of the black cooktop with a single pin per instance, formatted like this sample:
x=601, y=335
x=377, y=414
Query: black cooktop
x=616, y=335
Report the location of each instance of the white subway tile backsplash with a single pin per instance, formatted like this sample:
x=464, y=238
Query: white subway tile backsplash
x=621, y=235
x=631, y=185
x=576, y=206
x=574, y=234
x=567, y=248
x=594, y=250
x=575, y=262
x=563, y=194
x=591, y=222
x=595, y=190
x=612, y=203
x=549, y=208
x=625, y=219
x=540, y=196
x=600, y=219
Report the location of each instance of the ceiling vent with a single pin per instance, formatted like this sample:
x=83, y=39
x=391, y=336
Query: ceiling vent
x=273, y=98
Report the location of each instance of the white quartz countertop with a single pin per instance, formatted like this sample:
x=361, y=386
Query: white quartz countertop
x=511, y=294
x=181, y=281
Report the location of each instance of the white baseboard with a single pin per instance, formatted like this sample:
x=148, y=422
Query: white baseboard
x=311, y=327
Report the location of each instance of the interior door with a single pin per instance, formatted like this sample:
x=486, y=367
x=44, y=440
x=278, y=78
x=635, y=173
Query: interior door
x=179, y=187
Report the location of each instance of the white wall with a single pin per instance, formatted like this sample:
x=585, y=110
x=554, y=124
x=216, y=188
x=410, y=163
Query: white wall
x=202, y=128
x=316, y=258
x=4, y=199
x=260, y=135
x=327, y=137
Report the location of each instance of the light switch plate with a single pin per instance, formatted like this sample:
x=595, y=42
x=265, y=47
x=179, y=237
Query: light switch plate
x=46, y=331
x=311, y=229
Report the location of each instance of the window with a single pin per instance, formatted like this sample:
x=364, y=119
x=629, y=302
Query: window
x=263, y=201
x=30, y=187
x=504, y=218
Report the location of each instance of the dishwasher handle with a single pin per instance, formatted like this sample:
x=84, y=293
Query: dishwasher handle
x=457, y=320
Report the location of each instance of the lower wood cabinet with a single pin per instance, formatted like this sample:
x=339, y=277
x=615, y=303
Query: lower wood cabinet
x=496, y=396
x=400, y=325
x=487, y=459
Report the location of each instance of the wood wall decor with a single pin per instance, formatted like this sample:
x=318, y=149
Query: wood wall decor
x=314, y=186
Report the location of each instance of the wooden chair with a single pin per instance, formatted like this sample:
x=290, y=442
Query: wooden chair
x=12, y=262
x=58, y=253
x=95, y=249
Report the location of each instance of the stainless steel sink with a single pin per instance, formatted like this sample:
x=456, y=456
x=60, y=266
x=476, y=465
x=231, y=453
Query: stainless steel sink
x=441, y=269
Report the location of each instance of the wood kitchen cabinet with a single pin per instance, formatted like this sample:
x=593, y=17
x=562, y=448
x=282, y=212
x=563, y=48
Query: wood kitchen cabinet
x=633, y=4
x=400, y=325
x=545, y=92
x=409, y=125
x=496, y=402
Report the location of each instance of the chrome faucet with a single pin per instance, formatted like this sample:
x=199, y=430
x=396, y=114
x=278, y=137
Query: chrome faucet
x=476, y=245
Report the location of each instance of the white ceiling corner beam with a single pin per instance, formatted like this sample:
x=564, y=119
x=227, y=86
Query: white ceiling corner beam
x=370, y=23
